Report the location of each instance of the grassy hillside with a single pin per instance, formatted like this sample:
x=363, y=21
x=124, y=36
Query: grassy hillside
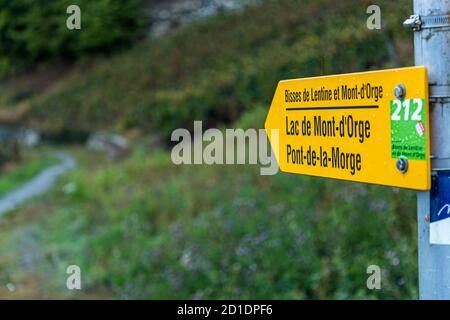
x=148, y=229
x=216, y=69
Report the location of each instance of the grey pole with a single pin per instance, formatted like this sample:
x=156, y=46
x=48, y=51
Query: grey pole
x=432, y=49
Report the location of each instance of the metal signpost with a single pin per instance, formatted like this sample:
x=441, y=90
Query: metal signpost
x=389, y=127
x=431, y=27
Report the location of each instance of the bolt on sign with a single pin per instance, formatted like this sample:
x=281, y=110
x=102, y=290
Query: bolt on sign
x=369, y=127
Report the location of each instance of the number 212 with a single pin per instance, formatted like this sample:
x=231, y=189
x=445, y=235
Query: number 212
x=416, y=116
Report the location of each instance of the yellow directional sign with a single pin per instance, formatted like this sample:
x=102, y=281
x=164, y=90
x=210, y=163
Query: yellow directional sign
x=369, y=127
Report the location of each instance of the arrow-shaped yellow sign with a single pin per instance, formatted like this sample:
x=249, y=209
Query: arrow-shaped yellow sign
x=369, y=127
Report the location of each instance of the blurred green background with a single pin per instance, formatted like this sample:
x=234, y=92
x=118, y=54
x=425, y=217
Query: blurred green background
x=141, y=227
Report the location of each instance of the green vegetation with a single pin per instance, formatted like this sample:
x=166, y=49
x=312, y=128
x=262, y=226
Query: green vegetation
x=247, y=237
x=15, y=176
x=33, y=31
x=144, y=228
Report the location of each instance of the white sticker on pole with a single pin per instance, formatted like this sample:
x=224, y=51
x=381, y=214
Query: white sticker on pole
x=440, y=209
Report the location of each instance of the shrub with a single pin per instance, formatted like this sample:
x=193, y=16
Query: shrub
x=32, y=31
x=150, y=230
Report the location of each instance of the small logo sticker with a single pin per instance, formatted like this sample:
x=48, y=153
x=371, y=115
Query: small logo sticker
x=420, y=128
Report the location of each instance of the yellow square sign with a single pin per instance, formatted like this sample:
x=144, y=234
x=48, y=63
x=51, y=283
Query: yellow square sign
x=369, y=127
